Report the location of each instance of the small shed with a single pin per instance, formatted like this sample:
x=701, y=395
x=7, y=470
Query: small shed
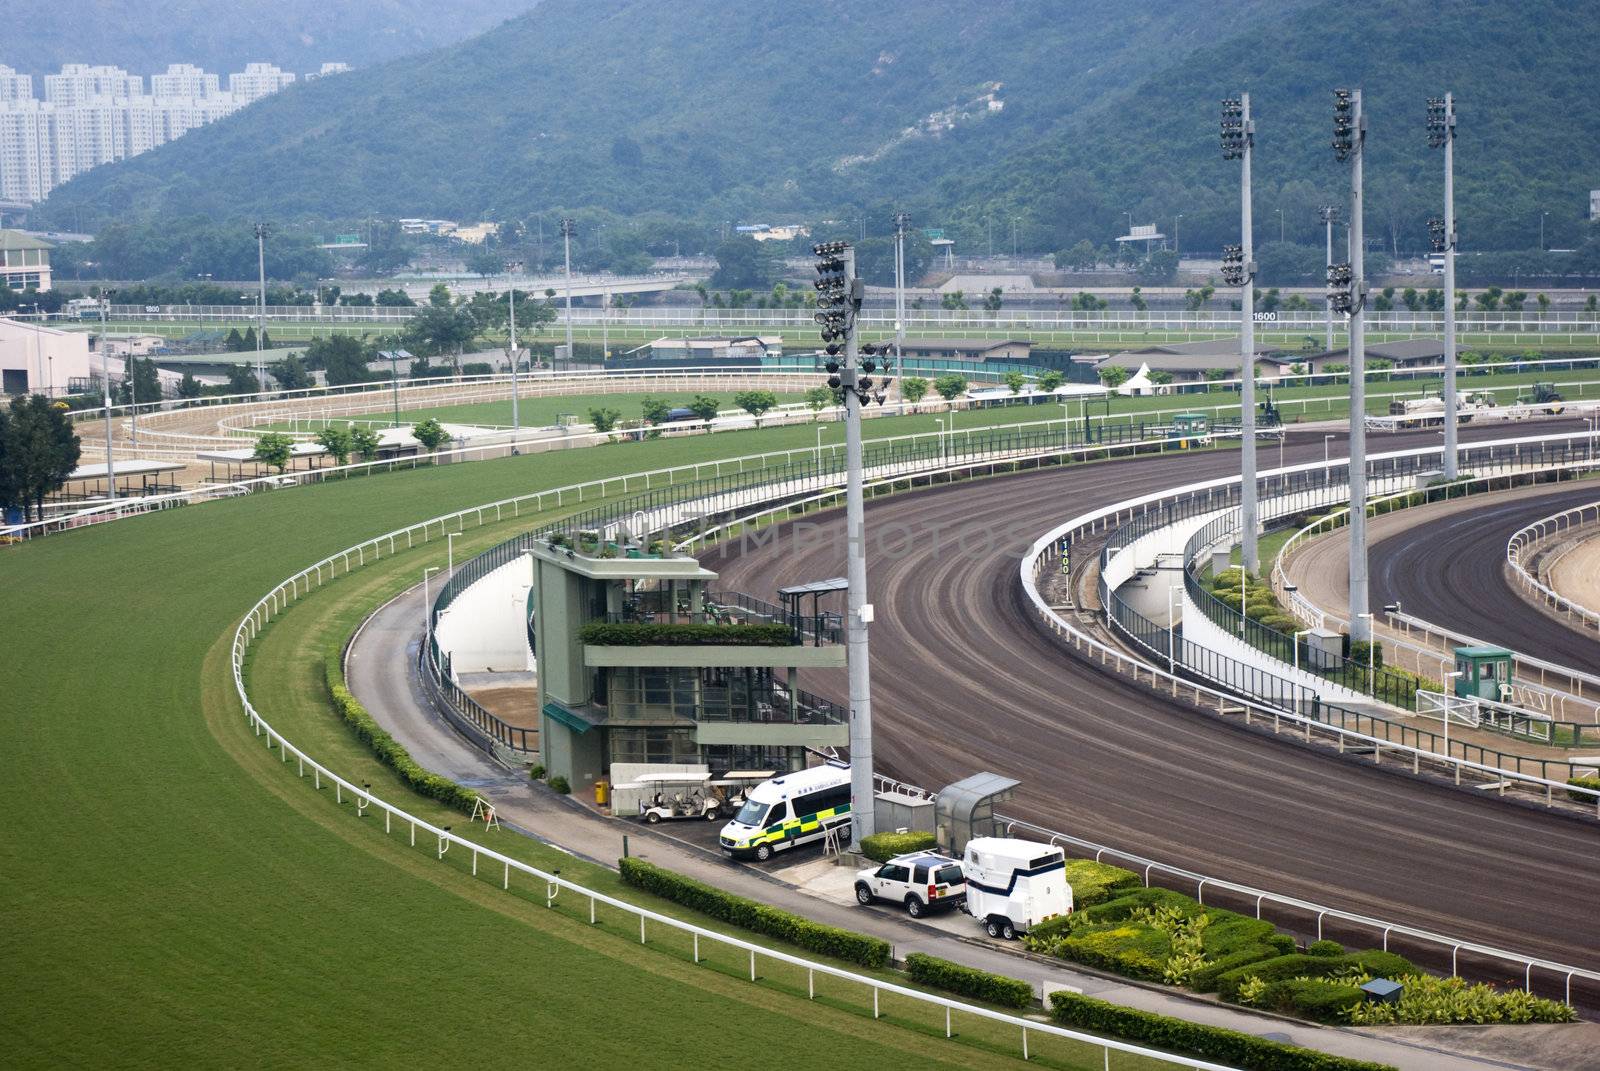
x=1485, y=672
x=966, y=809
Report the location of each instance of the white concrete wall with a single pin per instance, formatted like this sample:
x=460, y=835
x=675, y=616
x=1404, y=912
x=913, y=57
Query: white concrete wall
x=485, y=629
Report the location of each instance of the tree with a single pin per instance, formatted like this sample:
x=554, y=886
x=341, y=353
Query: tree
x=755, y=402
x=188, y=387
x=1081, y=257
x=361, y=301
x=395, y=299
x=993, y=300
x=291, y=373
x=818, y=399
x=234, y=343
x=38, y=451
x=1411, y=299
x=441, y=330
x=242, y=381
x=1160, y=377
x=337, y=442
x=704, y=408
x=1159, y=266
x=1544, y=303
x=439, y=296
x=950, y=386
x=1213, y=375
x=274, y=449
x=1489, y=300
x=485, y=261
x=742, y=262
x=146, y=381
x=1050, y=381
x=1136, y=299
x=430, y=433
x=604, y=419
x=654, y=410
x=1114, y=377
x=364, y=443
x=955, y=301
x=912, y=388
x=343, y=359
x=1016, y=381
x=1515, y=299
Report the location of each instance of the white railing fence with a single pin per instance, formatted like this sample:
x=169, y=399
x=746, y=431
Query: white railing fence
x=1527, y=539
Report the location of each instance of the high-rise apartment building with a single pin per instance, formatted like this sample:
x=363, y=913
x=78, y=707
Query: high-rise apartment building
x=94, y=115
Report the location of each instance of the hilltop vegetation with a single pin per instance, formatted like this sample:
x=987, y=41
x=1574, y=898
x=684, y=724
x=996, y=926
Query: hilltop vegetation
x=1058, y=118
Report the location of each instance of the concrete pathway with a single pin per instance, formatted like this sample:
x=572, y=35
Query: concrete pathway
x=382, y=674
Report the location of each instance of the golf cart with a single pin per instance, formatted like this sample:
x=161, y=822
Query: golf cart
x=684, y=795
x=731, y=788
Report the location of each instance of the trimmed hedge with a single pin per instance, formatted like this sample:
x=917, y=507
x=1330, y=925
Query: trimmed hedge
x=1321, y=999
x=1375, y=962
x=969, y=981
x=390, y=752
x=755, y=917
x=1583, y=782
x=1206, y=1042
x=1324, y=948
x=1095, y=883
x=881, y=847
x=650, y=634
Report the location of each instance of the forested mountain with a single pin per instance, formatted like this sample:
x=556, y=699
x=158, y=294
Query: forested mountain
x=143, y=36
x=1061, y=115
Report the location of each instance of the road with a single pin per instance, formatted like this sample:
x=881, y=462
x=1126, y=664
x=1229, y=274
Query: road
x=964, y=679
x=1452, y=572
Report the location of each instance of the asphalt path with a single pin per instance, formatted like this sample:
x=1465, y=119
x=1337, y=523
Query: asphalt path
x=965, y=679
x=1452, y=572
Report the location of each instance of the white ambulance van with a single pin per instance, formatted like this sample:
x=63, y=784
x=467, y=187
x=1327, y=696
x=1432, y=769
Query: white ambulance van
x=1014, y=885
x=789, y=810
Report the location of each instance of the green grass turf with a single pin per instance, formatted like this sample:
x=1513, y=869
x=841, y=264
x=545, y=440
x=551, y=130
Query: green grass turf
x=173, y=895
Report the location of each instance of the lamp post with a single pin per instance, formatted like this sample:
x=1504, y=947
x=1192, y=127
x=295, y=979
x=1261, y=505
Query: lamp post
x=944, y=450
x=1175, y=221
x=1449, y=704
x=1442, y=134
x=1347, y=289
x=1296, y=641
x=1172, y=628
x=1239, y=269
x=105, y=374
x=566, y=241
x=512, y=268
x=1330, y=216
x=427, y=605
x=819, y=448
x=450, y=553
x=901, y=221
x=1542, y=215
x=839, y=295
x=261, y=315
x=1066, y=426
x=1326, y=468
x=1372, y=649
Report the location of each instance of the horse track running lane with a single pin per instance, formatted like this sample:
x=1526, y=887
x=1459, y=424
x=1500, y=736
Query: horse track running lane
x=964, y=678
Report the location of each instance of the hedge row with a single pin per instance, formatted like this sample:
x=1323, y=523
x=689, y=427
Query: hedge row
x=1375, y=962
x=668, y=634
x=969, y=981
x=1206, y=1042
x=1583, y=782
x=392, y=754
x=881, y=847
x=755, y=917
x=1095, y=883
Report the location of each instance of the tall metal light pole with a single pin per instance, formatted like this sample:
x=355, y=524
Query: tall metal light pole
x=901, y=221
x=261, y=317
x=566, y=240
x=105, y=374
x=1347, y=286
x=511, y=301
x=1330, y=216
x=1442, y=134
x=839, y=295
x=1239, y=269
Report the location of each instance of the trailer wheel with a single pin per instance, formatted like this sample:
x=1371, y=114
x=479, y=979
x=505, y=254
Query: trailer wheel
x=991, y=927
x=1008, y=931
x=763, y=852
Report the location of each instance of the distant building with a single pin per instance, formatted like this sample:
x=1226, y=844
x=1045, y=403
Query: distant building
x=427, y=226
x=1191, y=362
x=95, y=115
x=691, y=350
x=1407, y=353
x=476, y=233
x=35, y=359
x=969, y=349
x=327, y=69
x=24, y=261
x=1594, y=205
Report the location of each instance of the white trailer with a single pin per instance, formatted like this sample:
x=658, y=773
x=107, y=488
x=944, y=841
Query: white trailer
x=1014, y=885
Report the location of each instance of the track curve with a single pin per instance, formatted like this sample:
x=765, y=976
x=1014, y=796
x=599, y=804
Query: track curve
x=964, y=679
x=1453, y=572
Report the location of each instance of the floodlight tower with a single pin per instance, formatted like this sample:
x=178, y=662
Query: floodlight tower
x=512, y=269
x=1442, y=234
x=261, y=318
x=566, y=240
x=850, y=368
x=1239, y=269
x=1330, y=216
x=1347, y=290
x=901, y=221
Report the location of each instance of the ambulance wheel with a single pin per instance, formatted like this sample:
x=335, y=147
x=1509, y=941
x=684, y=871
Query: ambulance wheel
x=763, y=853
x=914, y=907
x=863, y=895
x=991, y=927
x=1008, y=931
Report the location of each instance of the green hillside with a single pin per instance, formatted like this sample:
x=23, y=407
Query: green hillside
x=700, y=108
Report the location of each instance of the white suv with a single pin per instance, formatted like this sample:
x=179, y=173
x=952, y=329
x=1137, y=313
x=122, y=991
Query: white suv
x=922, y=881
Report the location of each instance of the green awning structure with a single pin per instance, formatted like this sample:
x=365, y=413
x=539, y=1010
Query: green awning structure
x=562, y=716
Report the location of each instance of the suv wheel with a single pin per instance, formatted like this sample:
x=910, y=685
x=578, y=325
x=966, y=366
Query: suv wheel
x=763, y=852
x=863, y=894
x=914, y=907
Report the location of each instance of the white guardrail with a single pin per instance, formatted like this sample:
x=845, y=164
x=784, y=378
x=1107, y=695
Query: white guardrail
x=362, y=798
x=1529, y=537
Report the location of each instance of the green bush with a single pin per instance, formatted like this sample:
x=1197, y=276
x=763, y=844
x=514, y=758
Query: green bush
x=559, y=784
x=536, y=772
x=1204, y=979
x=388, y=750
x=1583, y=782
x=1376, y=963
x=1426, y=999
x=968, y=981
x=649, y=634
x=1095, y=883
x=1323, y=999
x=1324, y=948
x=881, y=847
x=753, y=916
x=1193, y=1039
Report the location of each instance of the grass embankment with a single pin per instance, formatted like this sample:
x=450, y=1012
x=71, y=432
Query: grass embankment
x=176, y=895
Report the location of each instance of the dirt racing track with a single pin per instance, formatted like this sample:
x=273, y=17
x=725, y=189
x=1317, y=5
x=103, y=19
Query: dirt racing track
x=963, y=679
